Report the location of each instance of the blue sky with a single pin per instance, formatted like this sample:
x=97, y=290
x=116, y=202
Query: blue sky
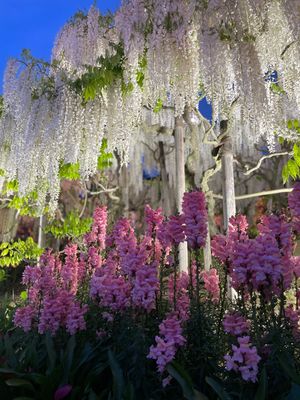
x=33, y=24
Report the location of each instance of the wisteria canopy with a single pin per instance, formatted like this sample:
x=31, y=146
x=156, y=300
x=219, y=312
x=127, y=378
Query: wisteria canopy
x=107, y=73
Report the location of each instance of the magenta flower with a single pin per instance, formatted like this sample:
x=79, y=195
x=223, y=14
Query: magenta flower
x=167, y=343
x=62, y=392
x=235, y=324
x=244, y=359
x=181, y=295
x=153, y=220
x=211, y=283
x=195, y=219
x=52, y=289
x=98, y=232
x=24, y=317
x=146, y=286
x=175, y=229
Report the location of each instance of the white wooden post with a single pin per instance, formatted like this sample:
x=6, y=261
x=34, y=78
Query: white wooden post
x=229, y=204
x=180, y=184
x=41, y=233
x=207, y=251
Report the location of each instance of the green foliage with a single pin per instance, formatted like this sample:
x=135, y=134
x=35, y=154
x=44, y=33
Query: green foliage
x=26, y=205
x=97, y=79
x=69, y=171
x=73, y=226
x=140, y=73
x=292, y=168
x=185, y=382
x=105, y=158
x=276, y=88
x=158, y=106
x=14, y=253
x=72, y=171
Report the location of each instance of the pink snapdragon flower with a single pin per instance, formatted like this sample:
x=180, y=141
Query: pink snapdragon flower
x=167, y=343
x=294, y=205
x=211, y=283
x=278, y=227
x=235, y=324
x=61, y=311
x=164, y=236
x=98, y=232
x=181, y=295
x=223, y=246
x=153, y=220
x=69, y=271
x=195, y=218
x=24, y=317
x=52, y=289
x=110, y=289
x=146, y=286
x=175, y=229
x=244, y=359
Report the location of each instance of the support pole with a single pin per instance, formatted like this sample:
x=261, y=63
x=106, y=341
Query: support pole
x=41, y=233
x=207, y=251
x=180, y=184
x=124, y=184
x=229, y=204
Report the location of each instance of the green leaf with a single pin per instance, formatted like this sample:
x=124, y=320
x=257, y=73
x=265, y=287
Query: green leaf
x=51, y=353
x=296, y=154
x=294, y=393
x=69, y=171
x=17, y=382
x=73, y=226
x=2, y=275
x=277, y=89
x=184, y=380
x=23, y=295
x=288, y=367
x=221, y=392
x=117, y=375
x=293, y=168
x=261, y=393
x=285, y=173
x=23, y=398
x=158, y=106
x=68, y=358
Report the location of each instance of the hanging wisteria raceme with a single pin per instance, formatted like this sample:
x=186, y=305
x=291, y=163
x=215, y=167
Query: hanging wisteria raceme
x=45, y=122
x=155, y=55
